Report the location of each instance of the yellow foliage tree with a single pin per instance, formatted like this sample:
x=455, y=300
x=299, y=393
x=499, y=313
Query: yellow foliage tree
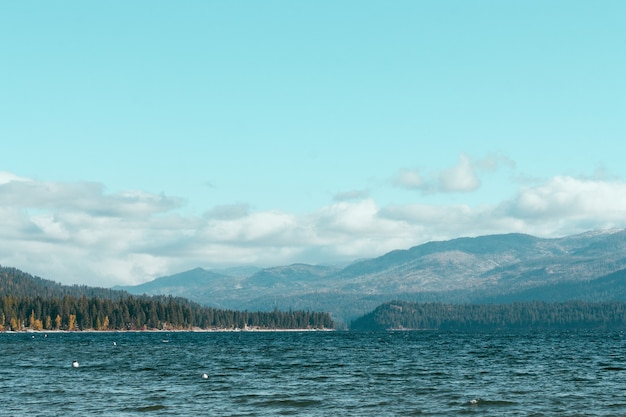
x=71, y=325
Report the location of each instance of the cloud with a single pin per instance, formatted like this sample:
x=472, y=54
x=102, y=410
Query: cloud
x=228, y=212
x=262, y=229
x=7, y=177
x=351, y=195
x=461, y=178
x=409, y=179
x=565, y=203
x=494, y=162
x=560, y=206
x=84, y=197
x=79, y=233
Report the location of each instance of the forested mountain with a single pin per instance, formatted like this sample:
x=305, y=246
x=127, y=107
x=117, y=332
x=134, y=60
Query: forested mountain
x=21, y=284
x=399, y=315
x=494, y=268
x=38, y=304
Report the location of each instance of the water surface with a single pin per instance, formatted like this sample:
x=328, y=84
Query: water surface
x=426, y=373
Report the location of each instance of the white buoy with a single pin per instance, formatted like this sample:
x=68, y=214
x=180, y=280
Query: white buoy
x=114, y=343
x=205, y=376
x=75, y=364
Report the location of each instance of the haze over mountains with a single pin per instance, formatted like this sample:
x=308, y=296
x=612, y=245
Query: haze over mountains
x=493, y=268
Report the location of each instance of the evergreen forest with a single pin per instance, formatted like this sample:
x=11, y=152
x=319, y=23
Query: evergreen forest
x=567, y=315
x=33, y=303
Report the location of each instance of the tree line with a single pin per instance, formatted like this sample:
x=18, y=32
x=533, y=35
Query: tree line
x=476, y=317
x=142, y=313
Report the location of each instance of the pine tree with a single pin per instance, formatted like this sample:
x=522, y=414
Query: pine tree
x=31, y=320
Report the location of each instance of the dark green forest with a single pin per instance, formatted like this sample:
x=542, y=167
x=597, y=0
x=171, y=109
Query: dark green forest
x=33, y=303
x=21, y=284
x=477, y=317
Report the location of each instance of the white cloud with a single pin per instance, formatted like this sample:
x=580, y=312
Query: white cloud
x=85, y=197
x=460, y=178
x=74, y=232
x=560, y=206
x=6, y=177
x=78, y=233
x=463, y=177
x=566, y=203
x=262, y=229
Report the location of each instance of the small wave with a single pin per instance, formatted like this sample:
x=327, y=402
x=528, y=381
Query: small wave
x=289, y=403
x=614, y=368
x=146, y=409
x=497, y=403
x=146, y=369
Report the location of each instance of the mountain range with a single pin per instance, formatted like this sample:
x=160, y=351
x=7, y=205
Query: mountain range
x=486, y=269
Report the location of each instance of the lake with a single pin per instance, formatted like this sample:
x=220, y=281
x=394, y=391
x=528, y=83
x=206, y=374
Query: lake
x=427, y=373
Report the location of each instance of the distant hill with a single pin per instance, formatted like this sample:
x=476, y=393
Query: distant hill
x=197, y=282
x=402, y=315
x=21, y=284
x=493, y=268
x=611, y=287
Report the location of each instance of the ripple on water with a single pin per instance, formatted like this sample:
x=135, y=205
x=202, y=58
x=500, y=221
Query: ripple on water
x=315, y=375
x=145, y=409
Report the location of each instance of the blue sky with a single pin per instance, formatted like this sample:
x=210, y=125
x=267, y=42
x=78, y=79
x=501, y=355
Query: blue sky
x=144, y=138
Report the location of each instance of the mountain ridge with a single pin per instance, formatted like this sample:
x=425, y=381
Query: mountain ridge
x=489, y=267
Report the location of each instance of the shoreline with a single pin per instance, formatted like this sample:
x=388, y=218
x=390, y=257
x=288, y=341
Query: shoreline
x=193, y=330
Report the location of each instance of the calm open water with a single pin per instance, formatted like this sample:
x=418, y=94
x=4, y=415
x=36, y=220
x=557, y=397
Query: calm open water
x=314, y=374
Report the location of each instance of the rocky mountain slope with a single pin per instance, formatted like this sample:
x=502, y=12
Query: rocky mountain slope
x=489, y=268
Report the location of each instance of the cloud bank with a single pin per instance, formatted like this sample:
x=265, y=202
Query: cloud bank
x=462, y=178
x=80, y=233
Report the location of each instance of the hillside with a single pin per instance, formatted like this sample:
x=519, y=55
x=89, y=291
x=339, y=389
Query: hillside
x=28, y=302
x=491, y=268
x=568, y=315
x=21, y=284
